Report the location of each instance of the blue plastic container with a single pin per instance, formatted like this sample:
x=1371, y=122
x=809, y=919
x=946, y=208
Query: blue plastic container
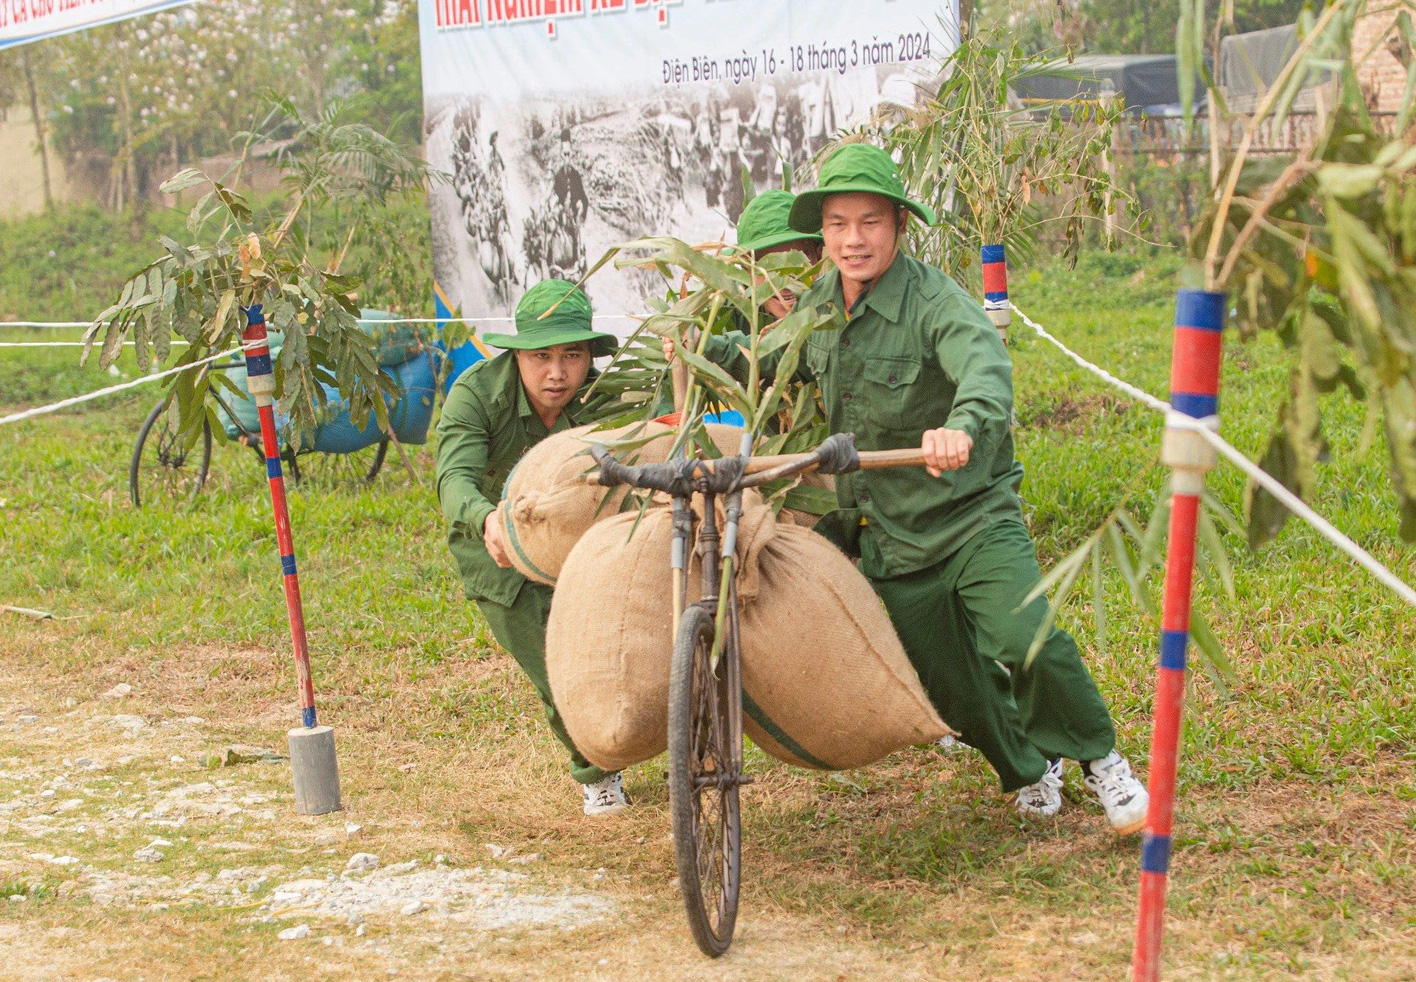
x=410, y=416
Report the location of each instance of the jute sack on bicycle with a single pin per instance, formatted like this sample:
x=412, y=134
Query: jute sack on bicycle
x=826, y=682
x=547, y=506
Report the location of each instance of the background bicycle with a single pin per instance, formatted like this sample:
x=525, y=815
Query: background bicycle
x=166, y=465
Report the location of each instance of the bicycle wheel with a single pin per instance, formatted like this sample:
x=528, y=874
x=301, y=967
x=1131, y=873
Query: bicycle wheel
x=703, y=786
x=161, y=467
x=338, y=469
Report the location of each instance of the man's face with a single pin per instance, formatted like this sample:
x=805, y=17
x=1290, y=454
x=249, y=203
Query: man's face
x=781, y=303
x=860, y=233
x=552, y=376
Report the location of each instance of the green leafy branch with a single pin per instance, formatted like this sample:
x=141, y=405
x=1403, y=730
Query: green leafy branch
x=983, y=163
x=713, y=291
x=196, y=290
x=1137, y=552
x=1320, y=248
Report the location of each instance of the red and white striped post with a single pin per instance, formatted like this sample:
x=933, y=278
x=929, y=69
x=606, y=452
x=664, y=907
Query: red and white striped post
x=1194, y=395
x=995, y=288
x=311, y=745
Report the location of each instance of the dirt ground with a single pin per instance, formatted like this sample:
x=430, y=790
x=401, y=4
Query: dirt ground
x=147, y=832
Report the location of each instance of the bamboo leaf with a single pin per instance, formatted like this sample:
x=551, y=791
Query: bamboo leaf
x=182, y=180
x=1213, y=657
x=1216, y=553
x=1099, y=600
x=1069, y=566
x=1064, y=590
x=1218, y=509
x=723, y=384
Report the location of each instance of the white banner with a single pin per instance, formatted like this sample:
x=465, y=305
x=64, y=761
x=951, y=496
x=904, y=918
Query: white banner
x=22, y=21
x=573, y=125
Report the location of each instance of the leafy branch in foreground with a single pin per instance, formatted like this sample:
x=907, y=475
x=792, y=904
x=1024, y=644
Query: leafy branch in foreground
x=983, y=164
x=712, y=291
x=1137, y=552
x=1319, y=246
x=196, y=290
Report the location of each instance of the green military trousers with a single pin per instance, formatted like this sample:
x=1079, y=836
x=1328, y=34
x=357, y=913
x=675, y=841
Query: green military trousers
x=521, y=630
x=959, y=620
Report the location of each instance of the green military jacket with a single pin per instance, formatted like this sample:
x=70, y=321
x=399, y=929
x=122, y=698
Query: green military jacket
x=917, y=354
x=487, y=424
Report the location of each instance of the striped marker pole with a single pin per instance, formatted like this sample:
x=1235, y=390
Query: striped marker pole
x=313, y=775
x=995, y=289
x=1194, y=393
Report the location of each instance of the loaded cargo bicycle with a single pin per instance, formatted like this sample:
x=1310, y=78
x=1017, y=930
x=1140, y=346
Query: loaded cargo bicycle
x=707, y=694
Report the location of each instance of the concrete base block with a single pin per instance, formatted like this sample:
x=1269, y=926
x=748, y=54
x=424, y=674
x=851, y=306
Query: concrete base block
x=316, y=771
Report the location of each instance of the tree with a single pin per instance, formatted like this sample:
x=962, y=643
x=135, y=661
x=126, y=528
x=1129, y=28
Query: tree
x=150, y=94
x=197, y=290
x=25, y=78
x=984, y=163
x=1148, y=26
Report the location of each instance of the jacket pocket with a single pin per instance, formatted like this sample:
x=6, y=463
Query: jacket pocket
x=890, y=382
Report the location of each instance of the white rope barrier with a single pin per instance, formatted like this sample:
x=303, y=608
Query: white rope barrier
x=363, y=320
x=75, y=344
x=1269, y=483
x=65, y=403
x=45, y=323
x=1175, y=420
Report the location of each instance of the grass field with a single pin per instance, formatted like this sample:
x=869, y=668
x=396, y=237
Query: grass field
x=1294, y=851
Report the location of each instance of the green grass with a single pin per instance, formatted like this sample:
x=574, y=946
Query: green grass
x=1294, y=853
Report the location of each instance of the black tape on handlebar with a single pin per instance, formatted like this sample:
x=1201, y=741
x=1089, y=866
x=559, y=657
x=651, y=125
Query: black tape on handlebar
x=838, y=454
x=679, y=478
x=673, y=477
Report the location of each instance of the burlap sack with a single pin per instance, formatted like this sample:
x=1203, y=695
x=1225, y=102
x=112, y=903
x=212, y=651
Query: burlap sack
x=826, y=682
x=547, y=506
x=806, y=519
x=609, y=640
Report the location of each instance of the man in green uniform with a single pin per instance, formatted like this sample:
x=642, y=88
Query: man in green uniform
x=918, y=364
x=494, y=413
x=764, y=229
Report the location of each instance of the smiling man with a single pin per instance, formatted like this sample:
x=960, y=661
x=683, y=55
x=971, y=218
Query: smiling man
x=494, y=413
x=918, y=364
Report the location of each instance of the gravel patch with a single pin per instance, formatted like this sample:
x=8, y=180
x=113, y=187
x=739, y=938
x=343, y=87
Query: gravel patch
x=486, y=899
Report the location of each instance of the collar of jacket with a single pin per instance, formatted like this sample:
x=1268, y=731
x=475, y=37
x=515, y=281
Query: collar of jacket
x=887, y=296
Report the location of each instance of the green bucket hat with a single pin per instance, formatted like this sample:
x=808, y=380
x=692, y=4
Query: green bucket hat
x=568, y=323
x=764, y=223
x=854, y=168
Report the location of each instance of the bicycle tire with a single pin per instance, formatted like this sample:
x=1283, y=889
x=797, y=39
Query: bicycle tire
x=706, y=816
x=167, y=455
x=378, y=463
x=316, y=473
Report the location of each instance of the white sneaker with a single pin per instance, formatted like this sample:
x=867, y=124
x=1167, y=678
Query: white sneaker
x=1043, y=799
x=605, y=797
x=1122, y=796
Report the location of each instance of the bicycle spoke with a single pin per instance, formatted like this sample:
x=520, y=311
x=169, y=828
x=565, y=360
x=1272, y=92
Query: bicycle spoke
x=164, y=468
x=340, y=471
